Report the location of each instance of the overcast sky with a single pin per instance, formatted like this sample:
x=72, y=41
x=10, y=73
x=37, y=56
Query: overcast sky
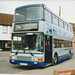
x=67, y=7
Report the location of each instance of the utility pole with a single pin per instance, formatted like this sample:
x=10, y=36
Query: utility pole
x=59, y=10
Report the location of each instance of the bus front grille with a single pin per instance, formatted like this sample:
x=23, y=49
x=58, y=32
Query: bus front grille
x=23, y=58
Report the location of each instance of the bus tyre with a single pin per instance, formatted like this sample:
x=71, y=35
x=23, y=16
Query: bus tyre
x=55, y=59
x=70, y=54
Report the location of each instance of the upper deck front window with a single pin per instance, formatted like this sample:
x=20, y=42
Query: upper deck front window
x=28, y=13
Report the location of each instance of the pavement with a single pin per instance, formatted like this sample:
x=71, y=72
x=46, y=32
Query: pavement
x=4, y=55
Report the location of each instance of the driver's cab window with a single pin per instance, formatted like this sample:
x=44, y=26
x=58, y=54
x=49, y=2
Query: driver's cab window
x=30, y=42
x=33, y=42
x=17, y=42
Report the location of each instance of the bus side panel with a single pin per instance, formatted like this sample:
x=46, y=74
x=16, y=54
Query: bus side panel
x=61, y=55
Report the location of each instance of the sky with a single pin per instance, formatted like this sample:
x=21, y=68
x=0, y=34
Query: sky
x=67, y=7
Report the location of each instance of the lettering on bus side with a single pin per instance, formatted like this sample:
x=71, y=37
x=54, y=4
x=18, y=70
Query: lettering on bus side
x=49, y=28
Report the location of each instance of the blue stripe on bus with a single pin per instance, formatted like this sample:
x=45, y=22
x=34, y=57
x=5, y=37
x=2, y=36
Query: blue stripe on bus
x=30, y=63
x=31, y=5
x=61, y=58
x=69, y=49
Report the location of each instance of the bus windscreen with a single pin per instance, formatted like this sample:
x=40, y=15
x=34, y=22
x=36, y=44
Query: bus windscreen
x=28, y=13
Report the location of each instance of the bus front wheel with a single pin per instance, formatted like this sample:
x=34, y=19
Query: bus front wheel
x=55, y=59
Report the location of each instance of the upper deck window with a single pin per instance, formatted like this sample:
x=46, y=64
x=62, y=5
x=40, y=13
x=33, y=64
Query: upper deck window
x=55, y=19
x=60, y=23
x=47, y=16
x=65, y=26
x=69, y=27
x=29, y=13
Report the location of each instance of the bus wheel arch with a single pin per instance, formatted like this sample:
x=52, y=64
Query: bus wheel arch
x=55, y=58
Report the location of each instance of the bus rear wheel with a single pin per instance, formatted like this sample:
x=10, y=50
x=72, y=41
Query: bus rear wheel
x=55, y=59
x=70, y=55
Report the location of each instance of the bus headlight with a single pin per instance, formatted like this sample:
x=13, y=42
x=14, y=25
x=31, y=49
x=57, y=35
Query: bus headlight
x=35, y=59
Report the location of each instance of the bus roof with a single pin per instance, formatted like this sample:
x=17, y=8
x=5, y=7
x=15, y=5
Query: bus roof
x=31, y=5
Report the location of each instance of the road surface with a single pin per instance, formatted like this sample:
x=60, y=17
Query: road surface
x=7, y=68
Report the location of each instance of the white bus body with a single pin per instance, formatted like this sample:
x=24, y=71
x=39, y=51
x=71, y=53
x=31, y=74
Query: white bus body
x=53, y=36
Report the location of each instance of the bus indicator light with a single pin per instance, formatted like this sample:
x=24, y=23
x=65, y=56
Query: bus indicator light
x=53, y=49
x=9, y=57
x=40, y=59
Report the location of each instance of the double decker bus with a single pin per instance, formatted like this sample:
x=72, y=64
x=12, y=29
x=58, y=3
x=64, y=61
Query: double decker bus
x=40, y=37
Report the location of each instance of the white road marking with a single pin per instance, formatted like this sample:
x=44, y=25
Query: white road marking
x=4, y=57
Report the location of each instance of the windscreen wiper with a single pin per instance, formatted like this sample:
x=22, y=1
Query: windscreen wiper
x=30, y=52
x=16, y=52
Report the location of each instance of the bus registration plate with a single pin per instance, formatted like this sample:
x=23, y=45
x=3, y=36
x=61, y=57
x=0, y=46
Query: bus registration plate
x=25, y=64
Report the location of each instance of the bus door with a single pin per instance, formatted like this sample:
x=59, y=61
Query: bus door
x=48, y=49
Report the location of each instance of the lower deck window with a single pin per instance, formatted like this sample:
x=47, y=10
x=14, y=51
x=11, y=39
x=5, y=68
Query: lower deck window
x=61, y=43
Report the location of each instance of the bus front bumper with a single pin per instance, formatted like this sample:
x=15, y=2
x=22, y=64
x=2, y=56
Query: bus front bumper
x=27, y=63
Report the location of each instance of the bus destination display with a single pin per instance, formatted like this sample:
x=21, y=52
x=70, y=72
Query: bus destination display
x=29, y=26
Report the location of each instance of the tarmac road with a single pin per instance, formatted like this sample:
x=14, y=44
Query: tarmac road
x=7, y=68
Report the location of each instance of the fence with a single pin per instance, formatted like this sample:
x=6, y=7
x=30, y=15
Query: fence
x=64, y=72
